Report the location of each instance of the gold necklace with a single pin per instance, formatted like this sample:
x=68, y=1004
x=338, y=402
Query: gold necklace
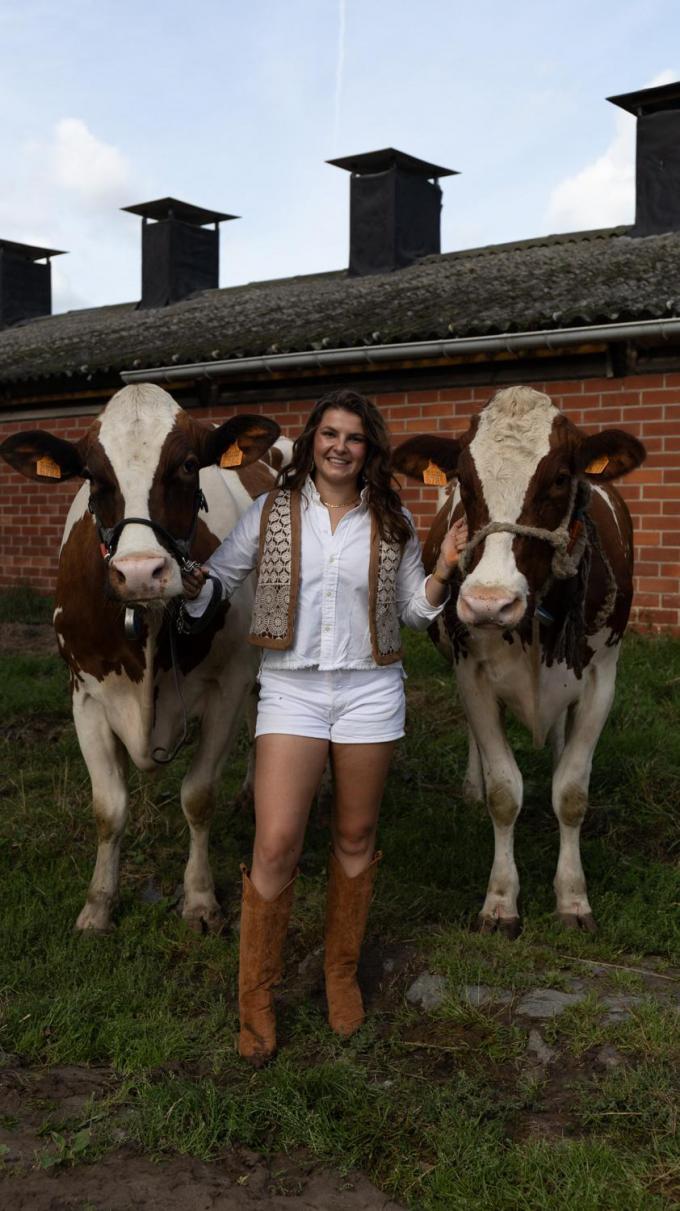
x=345, y=506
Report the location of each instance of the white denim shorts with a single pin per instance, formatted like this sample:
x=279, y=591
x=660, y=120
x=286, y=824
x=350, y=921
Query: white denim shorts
x=347, y=706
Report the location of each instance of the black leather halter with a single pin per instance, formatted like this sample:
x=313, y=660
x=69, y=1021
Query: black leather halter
x=109, y=536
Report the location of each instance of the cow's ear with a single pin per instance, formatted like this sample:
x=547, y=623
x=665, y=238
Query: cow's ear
x=239, y=441
x=608, y=455
x=430, y=459
x=42, y=456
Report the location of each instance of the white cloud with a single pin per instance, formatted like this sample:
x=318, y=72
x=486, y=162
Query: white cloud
x=87, y=166
x=602, y=194
x=63, y=191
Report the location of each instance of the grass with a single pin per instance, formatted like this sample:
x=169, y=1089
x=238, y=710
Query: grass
x=23, y=604
x=439, y=1108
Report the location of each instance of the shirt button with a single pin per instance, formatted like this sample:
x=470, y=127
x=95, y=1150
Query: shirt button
x=327, y=628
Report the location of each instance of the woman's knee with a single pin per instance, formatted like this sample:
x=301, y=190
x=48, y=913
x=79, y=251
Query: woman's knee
x=277, y=850
x=354, y=839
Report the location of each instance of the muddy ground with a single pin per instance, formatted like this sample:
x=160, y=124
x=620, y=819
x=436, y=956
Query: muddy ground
x=23, y=638
x=39, y=1177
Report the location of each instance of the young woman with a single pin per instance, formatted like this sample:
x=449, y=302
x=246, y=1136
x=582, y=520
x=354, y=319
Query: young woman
x=338, y=568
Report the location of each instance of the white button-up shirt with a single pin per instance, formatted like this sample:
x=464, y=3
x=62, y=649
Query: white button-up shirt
x=331, y=618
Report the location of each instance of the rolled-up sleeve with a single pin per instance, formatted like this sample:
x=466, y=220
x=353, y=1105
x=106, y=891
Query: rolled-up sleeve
x=414, y=609
x=233, y=560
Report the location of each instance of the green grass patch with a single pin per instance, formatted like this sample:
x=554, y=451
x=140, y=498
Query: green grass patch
x=438, y=1108
x=23, y=604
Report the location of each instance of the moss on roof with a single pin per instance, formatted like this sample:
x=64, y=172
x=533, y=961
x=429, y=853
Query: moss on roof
x=552, y=282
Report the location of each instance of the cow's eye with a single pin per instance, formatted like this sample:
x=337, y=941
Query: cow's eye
x=190, y=466
x=562, y=480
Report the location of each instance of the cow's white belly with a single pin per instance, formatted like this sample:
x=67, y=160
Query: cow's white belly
x=148, y=715
x=506, y=667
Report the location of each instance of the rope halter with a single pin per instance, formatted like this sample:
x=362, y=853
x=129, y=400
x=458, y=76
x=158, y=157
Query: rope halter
x=569, y=540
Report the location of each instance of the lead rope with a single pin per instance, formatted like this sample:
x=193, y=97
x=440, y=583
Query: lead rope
x=536, y=733
x=185, y=731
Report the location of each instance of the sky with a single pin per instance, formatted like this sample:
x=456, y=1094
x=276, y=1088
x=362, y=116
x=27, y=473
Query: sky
x=236, y=105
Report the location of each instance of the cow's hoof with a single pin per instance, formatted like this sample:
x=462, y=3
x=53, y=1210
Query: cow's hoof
x=583, y=921
x=94, y=920
x=203, y=920
x=510, y=927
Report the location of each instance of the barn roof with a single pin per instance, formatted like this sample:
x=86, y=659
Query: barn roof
x=552, y=282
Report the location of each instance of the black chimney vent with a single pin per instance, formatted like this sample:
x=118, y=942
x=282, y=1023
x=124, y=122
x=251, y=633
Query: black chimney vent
x=25, y=284
x=657, y=158
x=394, y=210
x=179, y=253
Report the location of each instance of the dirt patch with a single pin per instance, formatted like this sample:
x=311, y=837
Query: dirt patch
x=125, y=1180
x=33, y=1104
x=34, y=639
x=34, y=729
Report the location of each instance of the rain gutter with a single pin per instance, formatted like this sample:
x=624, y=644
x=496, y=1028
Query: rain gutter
x=506, y=342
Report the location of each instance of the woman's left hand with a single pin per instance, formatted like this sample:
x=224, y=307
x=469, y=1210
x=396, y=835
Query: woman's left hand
x=453, y=543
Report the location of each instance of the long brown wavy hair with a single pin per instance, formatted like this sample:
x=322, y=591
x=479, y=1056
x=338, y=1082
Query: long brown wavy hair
x=376, y=473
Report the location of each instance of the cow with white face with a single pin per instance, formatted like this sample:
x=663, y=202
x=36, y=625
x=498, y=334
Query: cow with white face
x=155, y=499
x=536, y=613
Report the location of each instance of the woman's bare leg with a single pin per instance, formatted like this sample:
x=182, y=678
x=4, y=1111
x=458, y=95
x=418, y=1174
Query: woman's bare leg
x=288, y=770
x=360, y=772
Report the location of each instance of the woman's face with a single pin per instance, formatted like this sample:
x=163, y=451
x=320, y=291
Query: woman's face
x=340, y=447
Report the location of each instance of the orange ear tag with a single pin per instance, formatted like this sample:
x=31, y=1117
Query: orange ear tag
x=597, y=465
x=46, y=466
x=232, y=456
x=434, y=476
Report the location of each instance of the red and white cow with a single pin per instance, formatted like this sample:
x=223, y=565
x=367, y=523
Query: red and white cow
x=536, y=614
x=155, y=496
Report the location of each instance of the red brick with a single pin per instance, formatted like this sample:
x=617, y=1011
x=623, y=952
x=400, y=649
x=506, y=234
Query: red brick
x=657, y=584
x=440, y=409
x=643, y=412
x=423, y=397
x=406, y=411
x=665, y=395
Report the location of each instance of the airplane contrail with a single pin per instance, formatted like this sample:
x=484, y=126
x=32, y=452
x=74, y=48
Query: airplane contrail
x=339, y=69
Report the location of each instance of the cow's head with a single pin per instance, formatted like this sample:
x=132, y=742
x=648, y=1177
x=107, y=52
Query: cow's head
x=142, y=457
x=516, y=464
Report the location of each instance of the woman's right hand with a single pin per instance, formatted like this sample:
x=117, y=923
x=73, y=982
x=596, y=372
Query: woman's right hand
x=192, y=582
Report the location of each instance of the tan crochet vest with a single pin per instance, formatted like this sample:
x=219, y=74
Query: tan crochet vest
x=273, y=621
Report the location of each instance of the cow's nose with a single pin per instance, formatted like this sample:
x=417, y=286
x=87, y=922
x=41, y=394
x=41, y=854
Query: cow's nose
x=138, y=577
x=490, y=604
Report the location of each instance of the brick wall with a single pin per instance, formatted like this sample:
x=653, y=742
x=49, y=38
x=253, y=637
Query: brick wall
x=32, y=515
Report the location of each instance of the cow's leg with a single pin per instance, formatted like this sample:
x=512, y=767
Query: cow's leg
x=473, y=782
x=503, y=793
x=570, y=793
x=557, y=737
x=245, y=798
x=219, y=725
x=106, y=760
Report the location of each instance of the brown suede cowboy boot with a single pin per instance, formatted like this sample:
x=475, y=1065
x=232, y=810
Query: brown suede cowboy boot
x=264, y=924
x=346, y=914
